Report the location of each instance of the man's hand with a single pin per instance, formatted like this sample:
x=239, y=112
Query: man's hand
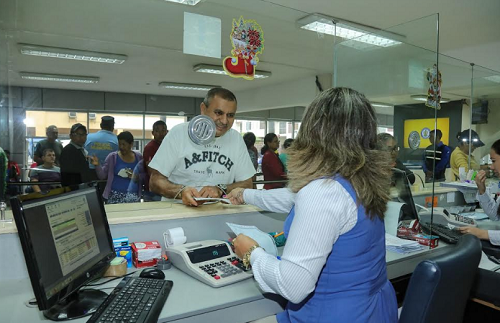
x=481, y=181
x=94, y=160
x=211, y=191
x=188, y=194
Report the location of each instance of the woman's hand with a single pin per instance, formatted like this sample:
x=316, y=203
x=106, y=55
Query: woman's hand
x=481, y=181
x=236, y=196
x=481, y=234
x=94, y=160
x=242, y=244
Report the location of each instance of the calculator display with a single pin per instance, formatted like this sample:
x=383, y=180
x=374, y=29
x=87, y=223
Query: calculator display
x=208, y=253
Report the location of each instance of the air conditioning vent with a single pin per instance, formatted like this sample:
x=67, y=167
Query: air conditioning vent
x=72, y=115
x=91, y=116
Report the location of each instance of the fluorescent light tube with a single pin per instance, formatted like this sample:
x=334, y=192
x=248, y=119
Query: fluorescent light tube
x=381, y=105
x=493, y=78
x=331, y=26
x=186, y=2
x=185, y=86
x=59, y=78
x=216, y=69
x=66, y=53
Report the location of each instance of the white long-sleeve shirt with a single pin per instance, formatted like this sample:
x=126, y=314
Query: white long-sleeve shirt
x=490, y=207
x=323, y=211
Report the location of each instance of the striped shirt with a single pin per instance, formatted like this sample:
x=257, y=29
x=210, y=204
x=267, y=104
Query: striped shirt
x=323, y=211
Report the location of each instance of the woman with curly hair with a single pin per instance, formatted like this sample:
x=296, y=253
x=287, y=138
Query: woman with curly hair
x=333, y=265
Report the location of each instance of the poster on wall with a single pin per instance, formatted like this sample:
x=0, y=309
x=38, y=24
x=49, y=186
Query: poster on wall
x=423, y=127
x=248, y=41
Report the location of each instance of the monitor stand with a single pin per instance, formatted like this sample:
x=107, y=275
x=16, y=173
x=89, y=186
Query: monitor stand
x=82, y=303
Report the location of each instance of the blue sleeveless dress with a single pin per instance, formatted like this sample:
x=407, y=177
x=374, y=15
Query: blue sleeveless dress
x=353, y=285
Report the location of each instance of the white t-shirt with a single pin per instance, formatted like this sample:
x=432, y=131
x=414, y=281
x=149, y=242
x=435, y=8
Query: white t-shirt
x=224, y=161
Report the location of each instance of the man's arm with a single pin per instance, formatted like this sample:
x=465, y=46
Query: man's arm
x=37, y=156
x=36, y=188
x=160, y=184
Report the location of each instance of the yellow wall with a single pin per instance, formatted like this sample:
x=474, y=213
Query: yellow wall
x=420, y=125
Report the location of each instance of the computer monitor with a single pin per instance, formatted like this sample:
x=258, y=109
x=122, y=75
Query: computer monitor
x=409, y=211
x=66, y=242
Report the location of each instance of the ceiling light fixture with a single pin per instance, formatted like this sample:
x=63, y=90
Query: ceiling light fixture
x=423, y=97
x=59, y=78
x=185, y=86
x=218, y=69
x=493, y=78
x=381, y=105
x=67, y=53
x=186, y=2
x=348, y=30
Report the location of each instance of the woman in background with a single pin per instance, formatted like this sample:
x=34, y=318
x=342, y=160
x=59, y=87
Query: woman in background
x=284, y=155
x=489, y=205
x=387, y=142
x=249, y=139
x=333, y=266
x=272, y=168
x=118, y=170
x=460, y=156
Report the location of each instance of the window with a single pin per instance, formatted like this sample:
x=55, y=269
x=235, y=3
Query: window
x=248, y=126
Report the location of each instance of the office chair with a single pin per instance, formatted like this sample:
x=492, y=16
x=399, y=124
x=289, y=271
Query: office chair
x=439, y=287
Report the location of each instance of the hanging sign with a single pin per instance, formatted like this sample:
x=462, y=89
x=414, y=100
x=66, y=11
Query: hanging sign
x=248, y=41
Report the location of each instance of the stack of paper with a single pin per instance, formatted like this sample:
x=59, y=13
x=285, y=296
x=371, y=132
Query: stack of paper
x=398, y=245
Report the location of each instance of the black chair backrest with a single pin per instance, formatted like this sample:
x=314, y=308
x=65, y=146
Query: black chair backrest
x=439, y=287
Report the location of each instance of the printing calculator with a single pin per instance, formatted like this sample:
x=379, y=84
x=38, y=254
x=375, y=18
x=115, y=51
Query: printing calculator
x=212, y=262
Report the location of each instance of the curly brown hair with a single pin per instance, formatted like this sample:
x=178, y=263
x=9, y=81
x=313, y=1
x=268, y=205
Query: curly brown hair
x=338, y=135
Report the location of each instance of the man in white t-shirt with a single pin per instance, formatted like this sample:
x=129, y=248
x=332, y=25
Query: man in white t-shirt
x=183, y=169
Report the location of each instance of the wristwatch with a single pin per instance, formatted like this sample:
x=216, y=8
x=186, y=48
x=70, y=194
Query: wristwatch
x=223, y=188
x=246, y=256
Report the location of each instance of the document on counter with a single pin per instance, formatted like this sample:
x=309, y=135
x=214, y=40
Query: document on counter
x=395, y=244
x=263, y=239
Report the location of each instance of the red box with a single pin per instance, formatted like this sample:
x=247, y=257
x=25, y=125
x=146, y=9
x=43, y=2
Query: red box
x=145, y=254
x=408, y=229
x=427, y=240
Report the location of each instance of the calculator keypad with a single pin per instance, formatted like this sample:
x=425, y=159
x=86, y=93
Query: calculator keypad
x=222, y=269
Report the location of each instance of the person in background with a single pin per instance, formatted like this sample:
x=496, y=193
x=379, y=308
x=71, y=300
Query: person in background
x=159, y=132
x=103, y=142
x=118, y=170
x=13, y=175
x=442, y=157
x=387, y=142
x=272, y=168
x=185, y=170
x=50, y=143
x=489, y=205
x=3, y=174
x=333, y=267
x=74, y=158
x=47, y=172
x=460, y=156
x=249, y=139
x=284, y=156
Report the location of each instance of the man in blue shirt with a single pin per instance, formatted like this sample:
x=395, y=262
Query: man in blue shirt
x=442, y=157
x=103, y=142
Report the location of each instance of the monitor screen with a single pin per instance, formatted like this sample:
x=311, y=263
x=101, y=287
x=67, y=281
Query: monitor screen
x=409, y=211
x=66, y=241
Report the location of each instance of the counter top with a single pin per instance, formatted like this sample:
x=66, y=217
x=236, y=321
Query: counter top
x=153, y=211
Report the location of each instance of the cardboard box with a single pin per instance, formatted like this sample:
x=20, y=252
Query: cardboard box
x=145, y=254
x=408, y=229
x=427, y=240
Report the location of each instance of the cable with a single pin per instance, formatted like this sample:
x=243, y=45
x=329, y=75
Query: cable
x=423, y=185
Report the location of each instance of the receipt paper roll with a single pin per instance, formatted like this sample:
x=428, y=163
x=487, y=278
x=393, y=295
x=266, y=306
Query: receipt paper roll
x=175, y=236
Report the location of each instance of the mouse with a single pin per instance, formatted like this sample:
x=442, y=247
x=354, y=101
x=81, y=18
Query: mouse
x=152, y=273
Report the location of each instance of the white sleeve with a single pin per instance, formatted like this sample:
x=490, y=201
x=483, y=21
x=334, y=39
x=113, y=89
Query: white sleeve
x=279, y=200
x=494, y=237
x=488, y=204
x=244, y=167
x=324, y=210
x=166, y=157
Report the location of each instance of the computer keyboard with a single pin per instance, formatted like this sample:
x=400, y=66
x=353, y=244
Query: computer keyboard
x=445, y=233
x=134, y=300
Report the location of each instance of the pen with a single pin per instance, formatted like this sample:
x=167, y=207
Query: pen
x=277, y=235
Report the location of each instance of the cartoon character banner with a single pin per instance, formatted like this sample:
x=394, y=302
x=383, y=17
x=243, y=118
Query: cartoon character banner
x=434, y=92
x=248, y=41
